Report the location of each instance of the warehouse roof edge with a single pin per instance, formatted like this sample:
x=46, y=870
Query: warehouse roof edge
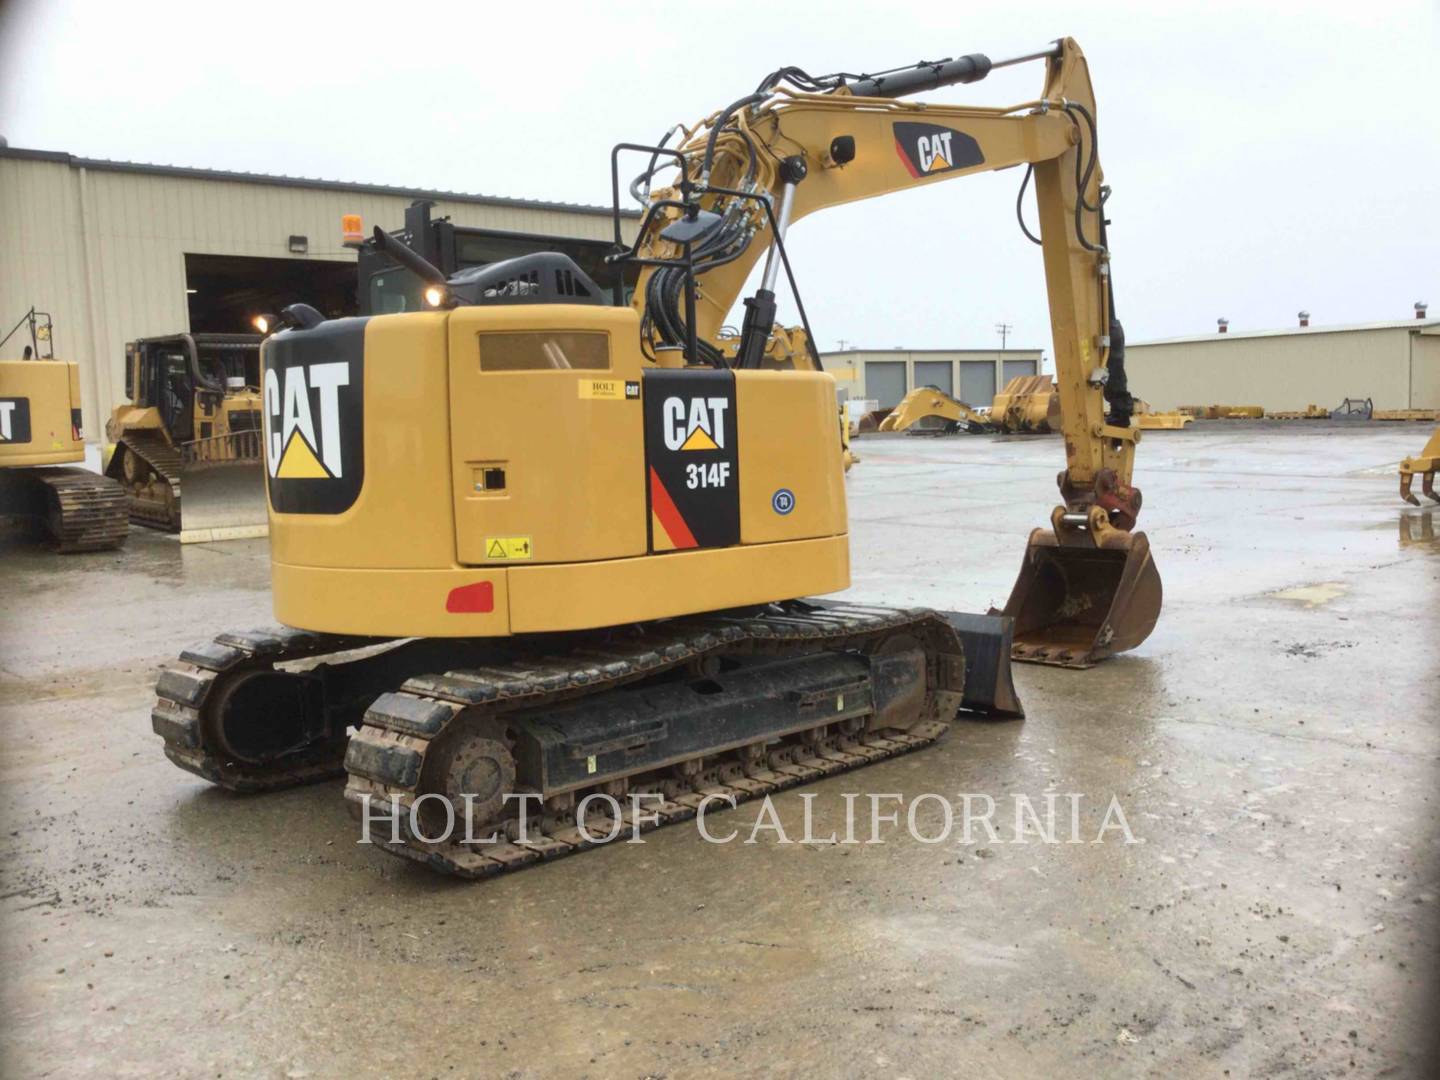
x=60, y=157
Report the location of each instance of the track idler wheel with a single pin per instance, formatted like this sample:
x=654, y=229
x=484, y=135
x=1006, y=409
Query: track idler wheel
x=474, y=769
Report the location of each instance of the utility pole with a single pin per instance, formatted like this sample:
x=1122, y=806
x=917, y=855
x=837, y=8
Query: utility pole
x=1003, y=329
x=844, y=344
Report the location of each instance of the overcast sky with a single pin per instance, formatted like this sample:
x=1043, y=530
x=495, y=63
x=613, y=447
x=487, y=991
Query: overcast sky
x=1264, y=158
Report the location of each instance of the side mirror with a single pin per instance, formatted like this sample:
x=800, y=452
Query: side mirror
x=689, y=230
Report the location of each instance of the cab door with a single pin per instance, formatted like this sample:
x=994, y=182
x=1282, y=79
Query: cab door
x=547, y=434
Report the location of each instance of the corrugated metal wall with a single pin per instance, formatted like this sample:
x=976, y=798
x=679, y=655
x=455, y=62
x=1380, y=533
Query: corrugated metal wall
x=1425, y=369
x=1290, y=370
x=104, y=251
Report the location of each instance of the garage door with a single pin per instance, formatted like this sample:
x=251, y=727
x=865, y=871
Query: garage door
x=1016, y=368
x=977, y=382
x=935, y=373
x=885, y=382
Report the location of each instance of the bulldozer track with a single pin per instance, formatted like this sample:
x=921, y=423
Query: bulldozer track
x=385, y=755
x=164, y=461
x=85, y=512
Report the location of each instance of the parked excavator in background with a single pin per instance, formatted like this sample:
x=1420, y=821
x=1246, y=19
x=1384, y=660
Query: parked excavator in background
x=610, y=605
x=1424, y=465
x=187, y=442
x=41, y=427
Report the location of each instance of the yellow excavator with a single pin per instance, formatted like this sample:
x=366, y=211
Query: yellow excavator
x=187, y=440
x=1423, y=465
x=40, y=428
x=546, y=634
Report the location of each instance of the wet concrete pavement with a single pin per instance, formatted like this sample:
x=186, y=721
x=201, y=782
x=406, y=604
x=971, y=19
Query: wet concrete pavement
x=1274, y=748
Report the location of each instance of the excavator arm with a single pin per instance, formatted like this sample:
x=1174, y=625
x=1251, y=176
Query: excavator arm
x=802, y=144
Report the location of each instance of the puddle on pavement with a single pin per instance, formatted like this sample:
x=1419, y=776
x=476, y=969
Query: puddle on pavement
x=1322, y=592
x=1418, y=530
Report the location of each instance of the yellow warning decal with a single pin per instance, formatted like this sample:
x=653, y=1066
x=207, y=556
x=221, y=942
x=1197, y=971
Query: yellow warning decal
x=602, y=389
x=508, y=547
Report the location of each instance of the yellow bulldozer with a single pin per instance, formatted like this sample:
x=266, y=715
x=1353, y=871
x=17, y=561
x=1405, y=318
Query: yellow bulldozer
x=41, y=428
x=547, y=634
x=187, y=442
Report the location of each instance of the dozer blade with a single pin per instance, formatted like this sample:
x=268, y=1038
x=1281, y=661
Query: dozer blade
x=222, y=501
x=989, y=642
x=1074, y=606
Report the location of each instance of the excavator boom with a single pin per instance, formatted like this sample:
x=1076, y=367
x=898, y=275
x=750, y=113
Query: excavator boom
x=802, y=144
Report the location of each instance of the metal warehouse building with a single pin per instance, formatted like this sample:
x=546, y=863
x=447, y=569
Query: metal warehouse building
x=887, y=375
x=1396, y=364
x=115, y=251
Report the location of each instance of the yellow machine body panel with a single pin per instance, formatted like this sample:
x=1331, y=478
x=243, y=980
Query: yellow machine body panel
x=40, y=413
x=496, y=470
x=773, y=405
x=543, y=414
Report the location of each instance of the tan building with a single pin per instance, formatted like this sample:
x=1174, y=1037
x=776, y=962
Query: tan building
x=114, y=251
x=1396, y=364
x=887, y=375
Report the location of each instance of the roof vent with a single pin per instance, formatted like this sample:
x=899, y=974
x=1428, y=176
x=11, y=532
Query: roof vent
x=1223, y=324
x=1304, y=318
x=1420, y=308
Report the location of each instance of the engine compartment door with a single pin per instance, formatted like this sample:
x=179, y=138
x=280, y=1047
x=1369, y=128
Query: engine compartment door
x=547, y=434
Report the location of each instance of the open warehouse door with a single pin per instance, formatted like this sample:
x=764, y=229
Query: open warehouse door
x=226, y=292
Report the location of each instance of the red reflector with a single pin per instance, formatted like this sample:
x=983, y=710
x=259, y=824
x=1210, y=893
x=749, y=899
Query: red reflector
x=471, y=598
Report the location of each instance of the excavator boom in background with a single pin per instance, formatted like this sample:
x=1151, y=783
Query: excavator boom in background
x=606, y=614
x=1026, y=405
x=928, y=410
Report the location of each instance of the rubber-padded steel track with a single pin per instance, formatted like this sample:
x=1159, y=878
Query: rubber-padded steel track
x=386, y=755
x=188, y=692
x=83, y=511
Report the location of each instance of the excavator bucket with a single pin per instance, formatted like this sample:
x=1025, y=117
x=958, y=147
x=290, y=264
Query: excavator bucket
x=223, y=500
x=1074, y=606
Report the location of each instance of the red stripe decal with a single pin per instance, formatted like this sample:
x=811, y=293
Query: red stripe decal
x=664, y=507
x=909, y=165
